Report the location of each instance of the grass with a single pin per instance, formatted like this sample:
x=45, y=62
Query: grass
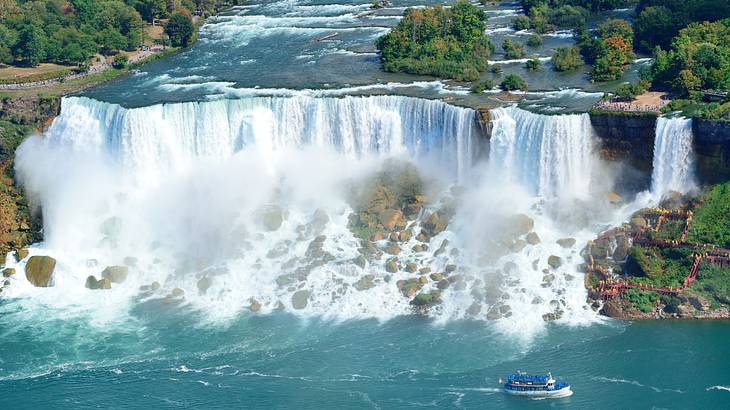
x=712, y=219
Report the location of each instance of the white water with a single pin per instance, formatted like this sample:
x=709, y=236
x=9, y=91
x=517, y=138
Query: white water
x=550, y=155
x=181, y=188
x=673, y=164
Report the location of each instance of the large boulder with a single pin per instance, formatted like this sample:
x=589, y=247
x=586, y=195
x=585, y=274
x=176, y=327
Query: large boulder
x=392, y=219
x=532, y=238
x=116, y=274
x=204, y=284
x=93, y=283
x=555, y=261
x=300, y=299
x=39, y=270
x=365, y=283
x=272, y=216
x=566, y=242
x=519, y=224
x=435, y=223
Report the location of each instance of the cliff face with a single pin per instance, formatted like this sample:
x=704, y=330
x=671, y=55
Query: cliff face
x=19, y=117
x=712, y=150
x=627, y=141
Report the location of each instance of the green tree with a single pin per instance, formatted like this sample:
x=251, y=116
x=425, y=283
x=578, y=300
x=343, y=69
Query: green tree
x=533, y=64
x=566, y=58
x=111, y=41
x=513, y=82
x=8, y=38
x=512, y=50
x=180, y=29
x=534, y=40
x=31, y=45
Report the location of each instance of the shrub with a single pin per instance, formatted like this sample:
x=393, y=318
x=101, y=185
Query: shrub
x=120, y=61
x=513, y=82
x=478, y=87
x=512, y=50
x=534, y=40
x=521, y=22
x=533, y=64
x=566, y=58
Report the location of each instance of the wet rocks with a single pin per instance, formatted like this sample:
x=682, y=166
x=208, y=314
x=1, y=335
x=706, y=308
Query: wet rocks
x=96, y=284
x=436, y=277
x=177, y=293
x=555, y=261
x=426, y=300
x=39, y=270
x=254, y=305
x=566, y=242
x=204, y=284
x=21, y=254
x=315, y=250
x=391, y=266
x=393, y=249
x=360, y=261
x=532, y=238
x=116, y=274
x=520, y=224
x=392, y=219
x=300, y=299
x=409, y=287
x=434, y=224
x=272, y=217
x=638, y=223
x=411, y=267
x=8, y=272
x=365, y=283
x=319, y=222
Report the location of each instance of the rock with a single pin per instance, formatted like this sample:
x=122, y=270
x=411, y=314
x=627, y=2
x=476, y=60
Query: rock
x=424, y=270
x=411, y=267
x=409, y=287
x=392, y=219
x=272, y=216
x=434, y=224
x=111, y=227
x=622, y=249
x=130, y=261
x=699, y=303
x=427, y=299
x=555, y=261
x=474, y=309
x=177, y=292
x=436, y=277
x=517, y=246
x=417, y=248
x=442, y=248
x=300, y=299
x=537, y=300
x=116, y=274
x=365, y=283
x=255, y=305
x=319, y=221
x=532, y=238
x=393, y=249
x=685, y=310
x=520, y=224
x=315, y=250
x=204, y=284
x=21, y=254
x=422, y=237
x=391, y=266
x=493, y=314
x=394, y=236
x=614, y=198
x=405, y=236
x=566, y=242
x=93, y=283
x=8, y=272
x=450, y=268
x=360, y=261
x=39, y=270
x=155, y=285
x=548, y=279
x=638, y=222
x=443, y=284
x=423, y=279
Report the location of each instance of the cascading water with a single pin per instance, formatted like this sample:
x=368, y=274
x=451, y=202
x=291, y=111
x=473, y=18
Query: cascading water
x=551, y=155
x=673, y=164
x=249, y=201
x=154, y=140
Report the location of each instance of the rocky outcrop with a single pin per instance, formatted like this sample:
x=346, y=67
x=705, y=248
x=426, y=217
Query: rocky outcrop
x=116, y=274
x=300, y=299
x=39, y=270
x=93, y=283
x=712, y=150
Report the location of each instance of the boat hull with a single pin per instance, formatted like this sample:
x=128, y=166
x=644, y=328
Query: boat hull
x=541, y=394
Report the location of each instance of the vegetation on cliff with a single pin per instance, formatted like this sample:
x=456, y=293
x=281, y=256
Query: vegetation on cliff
x=438, y=41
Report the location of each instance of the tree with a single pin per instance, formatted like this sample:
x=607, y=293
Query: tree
x=31, y=45
x=567, y=58
x=180, y=29
x=111, y=41
x=513, y=82
x=533, y=64
x=8, y=38
x=512, y=50
x=521, y=22
x=534, y=40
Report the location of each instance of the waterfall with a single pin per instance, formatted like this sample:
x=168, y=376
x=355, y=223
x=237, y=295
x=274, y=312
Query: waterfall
x=673, y=164
x=549, y=154
x=156, y=139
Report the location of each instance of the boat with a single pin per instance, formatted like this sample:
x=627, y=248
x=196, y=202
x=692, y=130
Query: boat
x=536, y=386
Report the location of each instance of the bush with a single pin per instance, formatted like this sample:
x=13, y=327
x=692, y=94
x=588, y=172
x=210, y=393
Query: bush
x=533, y=64
x=567, y=58
x=513, y=82
x=629, y=91
x=478, y=87
x=512, y=50
x=120, y=61
x=521, y=22
x=496, y=69
x=534, y=40
x=180, y=29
